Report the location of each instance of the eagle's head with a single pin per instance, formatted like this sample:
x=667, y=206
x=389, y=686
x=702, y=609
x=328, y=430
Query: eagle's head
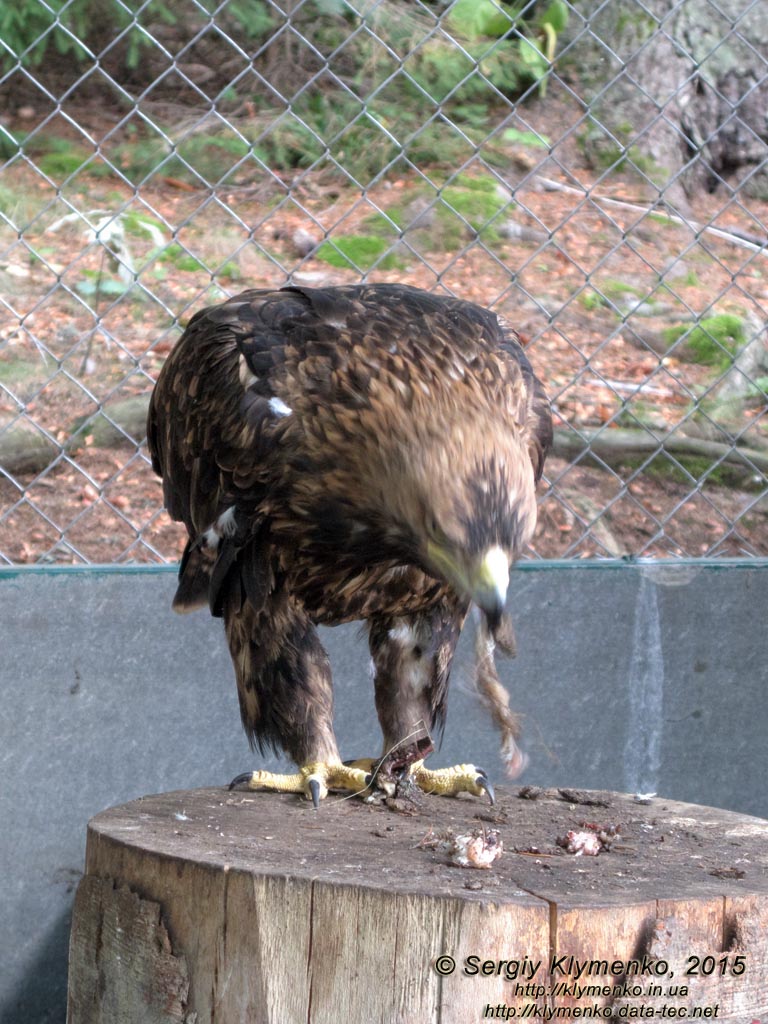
x=483, y=578
x=469, y=501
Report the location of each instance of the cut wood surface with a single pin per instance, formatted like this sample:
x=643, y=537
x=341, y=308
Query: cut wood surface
x=205, y=906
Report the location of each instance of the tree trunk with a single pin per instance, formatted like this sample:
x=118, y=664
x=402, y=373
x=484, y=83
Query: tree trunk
x=678, y=88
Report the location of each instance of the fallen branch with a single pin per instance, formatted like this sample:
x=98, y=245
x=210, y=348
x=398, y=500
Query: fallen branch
x=744, y=241
x=616, y=446
x=23, y=449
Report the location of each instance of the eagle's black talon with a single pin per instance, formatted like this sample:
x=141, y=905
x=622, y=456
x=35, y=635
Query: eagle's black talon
x=314, y=789
x=483, y=782
x=244, y=777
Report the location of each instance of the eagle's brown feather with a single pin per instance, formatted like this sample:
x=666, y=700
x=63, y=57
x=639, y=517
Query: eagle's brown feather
x=315, y=444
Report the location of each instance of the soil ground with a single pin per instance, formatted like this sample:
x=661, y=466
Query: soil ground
x=590, y=287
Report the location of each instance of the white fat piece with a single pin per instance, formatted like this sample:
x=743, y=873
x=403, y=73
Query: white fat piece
x=278, y=407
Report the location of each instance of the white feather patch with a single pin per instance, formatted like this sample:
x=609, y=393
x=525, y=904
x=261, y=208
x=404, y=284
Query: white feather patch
x=225, y=524
x=402, y=634
x=278, y=407
x=246, y=374
x=210, y=539
x=415, y=673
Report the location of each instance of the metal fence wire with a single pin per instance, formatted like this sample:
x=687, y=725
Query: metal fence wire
x=595, y=172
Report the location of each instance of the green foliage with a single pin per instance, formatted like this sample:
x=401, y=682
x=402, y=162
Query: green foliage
x=230, y=271
x=72, y=28
x=201, y=156
x=10, y=143
x=469, y=204
x=688, y=468
x=525, y=138
x=357, y=252
x=474, y=18
x=97, y=284
x=15, y=370
x=9, y=200
x=253, y=18
x=28, y=29
x=478, y=201
x=215, y=156
x=80, y=29
x=55, y=156
x=615, y=288
x=713, y=341
x=504, y=48
x=613, y=150
x=592, y=300
x=688, y=280
x=62, y=159
x=143, y=225
x=181, y=259
x=362, y=117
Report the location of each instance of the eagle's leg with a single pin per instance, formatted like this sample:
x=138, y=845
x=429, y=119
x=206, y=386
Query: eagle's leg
x=412, y=658
x=286, y=697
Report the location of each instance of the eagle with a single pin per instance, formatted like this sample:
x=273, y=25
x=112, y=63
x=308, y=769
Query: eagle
x=362, y=452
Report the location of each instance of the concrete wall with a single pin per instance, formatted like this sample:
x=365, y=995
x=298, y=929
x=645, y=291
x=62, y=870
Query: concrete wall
x=631, y=677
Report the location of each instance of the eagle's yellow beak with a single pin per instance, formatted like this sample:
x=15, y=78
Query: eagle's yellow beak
x=489, y=585
x=485, y=581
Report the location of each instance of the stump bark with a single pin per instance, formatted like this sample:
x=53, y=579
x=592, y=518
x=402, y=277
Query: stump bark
x=204, y=906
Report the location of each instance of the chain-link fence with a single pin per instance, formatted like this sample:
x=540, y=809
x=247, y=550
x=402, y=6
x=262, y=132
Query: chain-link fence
x=596, y=172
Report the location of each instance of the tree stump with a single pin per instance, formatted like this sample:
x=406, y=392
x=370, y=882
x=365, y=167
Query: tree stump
x=205, y=906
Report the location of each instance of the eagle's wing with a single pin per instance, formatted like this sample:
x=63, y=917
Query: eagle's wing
x=215, y=424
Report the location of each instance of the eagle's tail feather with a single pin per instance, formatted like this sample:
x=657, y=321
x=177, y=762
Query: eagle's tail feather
x=194, y=579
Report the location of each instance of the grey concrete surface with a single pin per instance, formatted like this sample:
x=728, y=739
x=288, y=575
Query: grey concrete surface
x=636, y=677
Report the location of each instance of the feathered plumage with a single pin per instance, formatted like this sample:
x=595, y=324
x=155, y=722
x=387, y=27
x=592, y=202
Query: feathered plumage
x=363, y=452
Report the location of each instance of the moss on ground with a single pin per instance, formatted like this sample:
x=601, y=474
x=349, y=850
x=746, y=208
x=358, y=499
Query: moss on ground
x=713, y=341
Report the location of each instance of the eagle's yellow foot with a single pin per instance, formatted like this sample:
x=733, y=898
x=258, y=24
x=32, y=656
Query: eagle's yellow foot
x=313, y=780
x=460, y=778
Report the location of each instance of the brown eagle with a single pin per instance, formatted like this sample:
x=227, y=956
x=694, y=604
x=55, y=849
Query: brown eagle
x=360, y=452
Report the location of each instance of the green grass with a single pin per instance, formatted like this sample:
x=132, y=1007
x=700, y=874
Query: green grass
x=15, y=370
x=685, y=468
x=687, y=280
x=592, y=300
x=96, y=284
x=469, y=203
x=181, y=259
x=526, y=138
x=210, y=157
x=614, y=288
x=713, y=341
x=358, y=252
